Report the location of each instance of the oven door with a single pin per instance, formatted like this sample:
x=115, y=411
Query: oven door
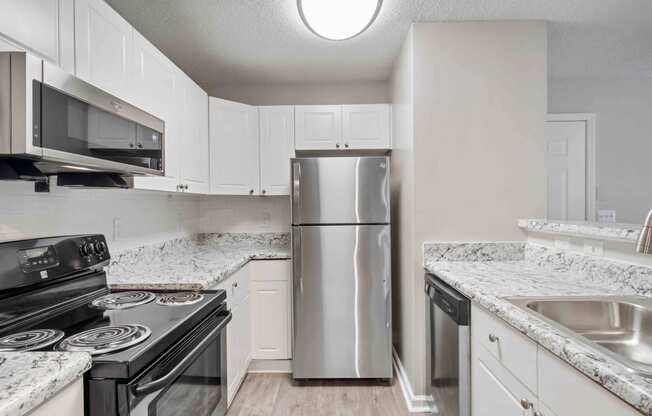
x=190, y=379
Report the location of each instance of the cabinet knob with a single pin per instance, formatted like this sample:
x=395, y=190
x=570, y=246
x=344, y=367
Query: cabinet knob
x=263, y=192
x=493, y=338
x=131, y=145
x=337, y=145
x=185, y=187
x=346, y=145
x=140, y=145
x=526, y=404
x=235, y=284
x=251, y=192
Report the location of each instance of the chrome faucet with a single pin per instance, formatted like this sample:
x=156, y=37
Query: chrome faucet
x=644, y=244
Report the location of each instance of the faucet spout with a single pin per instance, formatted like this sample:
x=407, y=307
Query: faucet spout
x=644, y=244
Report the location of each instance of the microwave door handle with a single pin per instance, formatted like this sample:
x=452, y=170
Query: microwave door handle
x=142, y=389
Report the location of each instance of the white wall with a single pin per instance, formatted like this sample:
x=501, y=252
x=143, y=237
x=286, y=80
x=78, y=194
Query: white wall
x=245, y=214
x=623, y=109
x=476, y=155
x=143, y=217
x=305, y=93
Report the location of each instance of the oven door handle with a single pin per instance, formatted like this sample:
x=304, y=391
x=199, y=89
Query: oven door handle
x=142, y=389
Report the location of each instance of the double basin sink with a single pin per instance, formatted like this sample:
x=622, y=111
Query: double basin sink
x=619, y=326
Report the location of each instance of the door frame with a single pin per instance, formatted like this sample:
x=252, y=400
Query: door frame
x=591, y=177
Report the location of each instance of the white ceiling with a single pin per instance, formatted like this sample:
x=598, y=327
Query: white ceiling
x=221, y=42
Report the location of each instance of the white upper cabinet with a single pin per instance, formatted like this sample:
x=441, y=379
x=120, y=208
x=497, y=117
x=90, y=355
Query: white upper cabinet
x=104, y=47
x=45, y=27
x=276, y=148
x=318, y=127
x=192, y=141
x=234, y=148
x=366, y=126
x=331, y=127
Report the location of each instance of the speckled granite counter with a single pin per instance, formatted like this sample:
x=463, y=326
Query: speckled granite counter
x=600, y=231
x=193, y=263
x=489, y=272
x=27, y=379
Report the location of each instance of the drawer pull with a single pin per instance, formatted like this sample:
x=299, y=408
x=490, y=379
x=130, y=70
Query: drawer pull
x=493, y=338
x=526, y=404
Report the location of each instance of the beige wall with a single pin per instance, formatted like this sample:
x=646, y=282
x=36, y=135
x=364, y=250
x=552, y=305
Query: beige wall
x=402, y=193
x=306, y=93
x=478, y=147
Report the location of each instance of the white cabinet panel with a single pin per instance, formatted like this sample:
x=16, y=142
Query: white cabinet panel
x=104, y=47
x=318, y=127
x=276, y=138
x=366, y=126
x=194, y=148
x=33, y=24
x=234, y=148
x=69, y=401
x=270, y=309
x=495, y=391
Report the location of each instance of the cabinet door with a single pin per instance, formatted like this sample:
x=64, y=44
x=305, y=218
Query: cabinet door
x=234, y=148
x=270, y=320
x=33, y=24
x=366, y=126
x=193, y=139
x=318, y=127
x=276, y=148
x=495, y=391
x=103, y=47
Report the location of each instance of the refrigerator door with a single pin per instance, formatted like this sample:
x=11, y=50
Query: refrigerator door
x=340, y=190
x=342, y=302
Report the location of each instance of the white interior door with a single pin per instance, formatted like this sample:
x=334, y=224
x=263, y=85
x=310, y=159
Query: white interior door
x=566, y=170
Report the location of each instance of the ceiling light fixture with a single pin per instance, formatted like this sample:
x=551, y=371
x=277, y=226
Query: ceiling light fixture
x=338, y=19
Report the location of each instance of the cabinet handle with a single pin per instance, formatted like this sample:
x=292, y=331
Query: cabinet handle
x=235, y=284
x=526, y=404
x=251, y=192
x=346, y=145
x=493, y=338
x=337, y=145
x=263, y=192
x=140, y=145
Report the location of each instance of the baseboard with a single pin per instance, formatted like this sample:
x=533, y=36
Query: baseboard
x=415, y=403
x=270, y=366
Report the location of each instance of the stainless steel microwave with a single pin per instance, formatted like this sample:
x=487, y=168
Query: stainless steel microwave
x=64, y=124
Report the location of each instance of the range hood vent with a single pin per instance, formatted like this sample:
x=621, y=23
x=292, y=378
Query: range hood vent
x=20, y=169
x=94, y=180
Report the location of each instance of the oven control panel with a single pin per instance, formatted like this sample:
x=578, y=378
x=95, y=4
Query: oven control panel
x=38, y=258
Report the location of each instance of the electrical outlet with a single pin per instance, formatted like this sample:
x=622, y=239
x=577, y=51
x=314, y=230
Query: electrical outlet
x=267, y=219
x=607, y=215
x=594, y=247
x=116, y=229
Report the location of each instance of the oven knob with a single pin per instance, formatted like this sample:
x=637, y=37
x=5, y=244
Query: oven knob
x=100, y=247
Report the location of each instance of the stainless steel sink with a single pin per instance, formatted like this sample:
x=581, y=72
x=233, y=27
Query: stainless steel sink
x=619, y=326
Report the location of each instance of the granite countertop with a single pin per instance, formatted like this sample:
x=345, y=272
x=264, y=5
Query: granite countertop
x=193, y=263
x=27, y=379
x=487, y=273
x=627, y=233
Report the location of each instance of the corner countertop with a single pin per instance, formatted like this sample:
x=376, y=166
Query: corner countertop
x=27, y=379
x=195, y=263
x=487, y=273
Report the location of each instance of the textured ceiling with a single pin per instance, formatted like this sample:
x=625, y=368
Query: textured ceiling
x=263, y=41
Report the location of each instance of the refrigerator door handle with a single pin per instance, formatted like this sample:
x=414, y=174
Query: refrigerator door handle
x=296, y=255
x=296, y=192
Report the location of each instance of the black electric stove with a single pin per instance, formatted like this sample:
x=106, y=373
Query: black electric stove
x=154, y=353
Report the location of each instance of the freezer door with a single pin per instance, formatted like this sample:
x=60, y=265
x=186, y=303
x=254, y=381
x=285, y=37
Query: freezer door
x=342, y=301
x=340, y=190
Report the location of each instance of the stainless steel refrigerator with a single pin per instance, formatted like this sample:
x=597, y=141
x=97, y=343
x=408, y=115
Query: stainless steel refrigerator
x=341, y=268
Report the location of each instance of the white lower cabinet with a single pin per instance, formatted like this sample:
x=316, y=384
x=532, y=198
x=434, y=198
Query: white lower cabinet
x=271, y=309
x=502, y=366
x=69, y=401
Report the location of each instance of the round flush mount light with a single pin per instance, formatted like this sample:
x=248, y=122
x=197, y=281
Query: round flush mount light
x=338, y=19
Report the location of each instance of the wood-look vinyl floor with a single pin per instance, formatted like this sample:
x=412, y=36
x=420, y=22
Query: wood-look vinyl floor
x=278, y=395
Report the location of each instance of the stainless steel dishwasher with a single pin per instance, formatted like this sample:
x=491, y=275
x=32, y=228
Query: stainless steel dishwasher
x=449, y=348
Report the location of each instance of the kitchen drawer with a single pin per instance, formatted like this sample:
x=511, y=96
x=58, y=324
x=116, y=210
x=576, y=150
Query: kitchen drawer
x=567, y=392
x=270, y=270
x=513, y=350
